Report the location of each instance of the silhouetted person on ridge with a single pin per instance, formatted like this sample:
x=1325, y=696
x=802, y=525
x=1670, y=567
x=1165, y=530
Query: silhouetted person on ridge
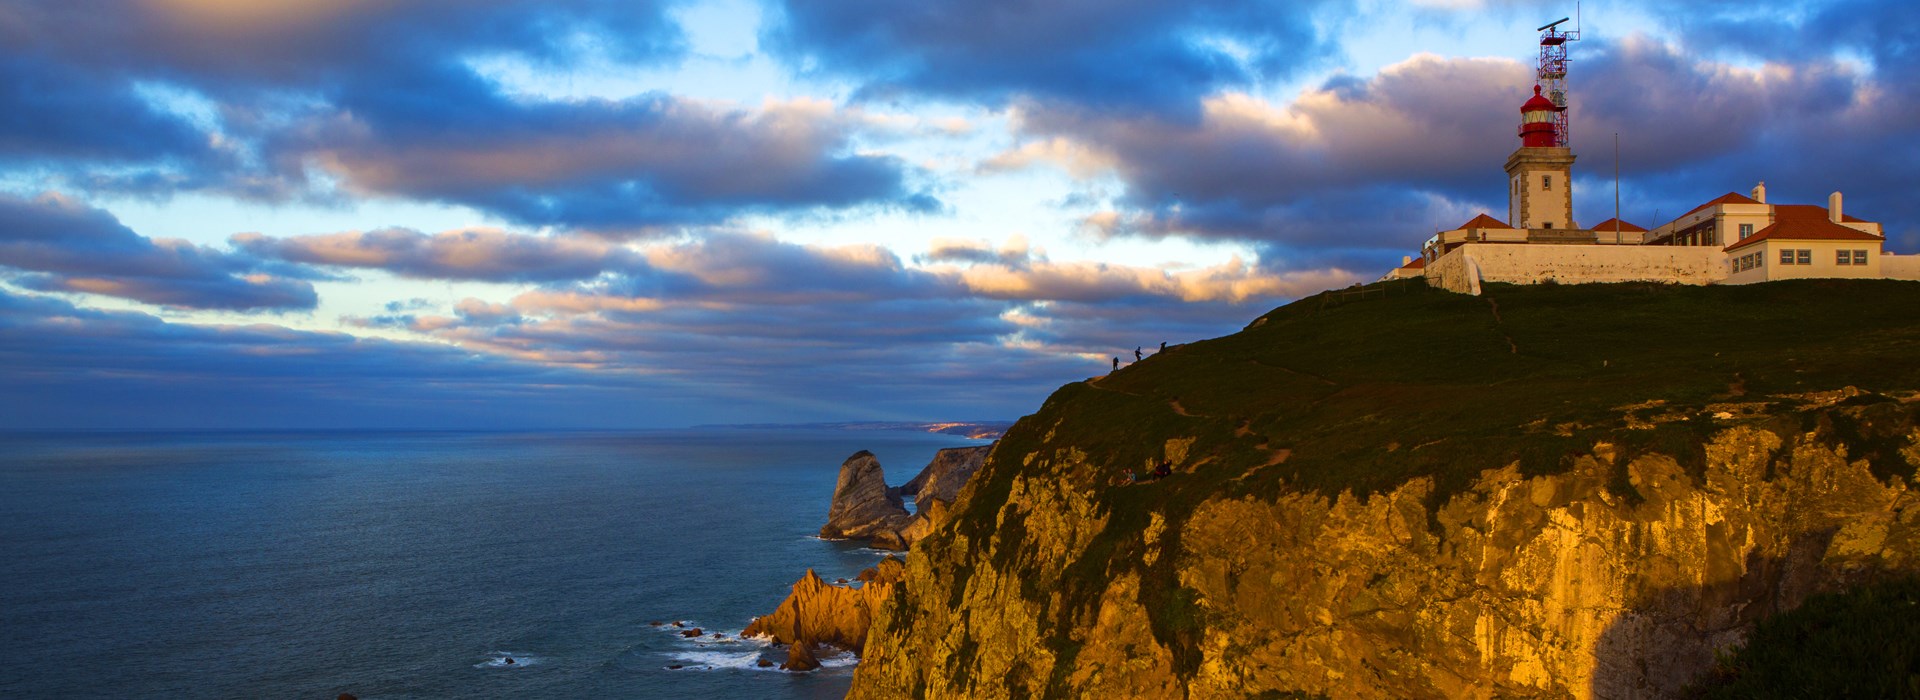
x=1136, y=354
x=1163, y=347
x=1116, y=364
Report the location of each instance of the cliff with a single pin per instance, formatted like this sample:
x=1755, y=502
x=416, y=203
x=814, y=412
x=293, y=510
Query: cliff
x=1547, y=491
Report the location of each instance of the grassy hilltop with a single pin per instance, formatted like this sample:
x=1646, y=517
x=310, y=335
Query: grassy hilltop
x=1361, y=391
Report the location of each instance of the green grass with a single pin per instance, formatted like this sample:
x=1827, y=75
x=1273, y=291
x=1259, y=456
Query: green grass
x=1864, y=643
x=1370, y=393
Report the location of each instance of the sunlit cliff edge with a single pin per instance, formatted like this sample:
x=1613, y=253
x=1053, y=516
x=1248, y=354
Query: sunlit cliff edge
x=1554, y=491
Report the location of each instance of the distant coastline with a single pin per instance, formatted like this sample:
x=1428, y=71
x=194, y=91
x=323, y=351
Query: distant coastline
x=978, y=430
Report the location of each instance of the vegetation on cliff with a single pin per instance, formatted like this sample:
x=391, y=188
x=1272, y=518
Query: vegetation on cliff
x=1863, y=643
x=1611, y=405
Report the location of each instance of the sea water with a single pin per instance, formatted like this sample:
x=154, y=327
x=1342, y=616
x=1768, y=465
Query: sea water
x=412, y=565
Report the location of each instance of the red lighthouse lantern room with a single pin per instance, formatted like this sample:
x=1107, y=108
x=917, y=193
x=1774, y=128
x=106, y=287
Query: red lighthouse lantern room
x=1536, y=121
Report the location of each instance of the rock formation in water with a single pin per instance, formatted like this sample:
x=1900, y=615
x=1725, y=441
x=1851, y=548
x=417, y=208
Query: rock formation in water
x=863, y=506
x=819, y=613
x=1584, y=492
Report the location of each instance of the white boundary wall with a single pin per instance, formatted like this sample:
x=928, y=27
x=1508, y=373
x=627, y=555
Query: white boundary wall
x=1900, y=267
x=1464, y=268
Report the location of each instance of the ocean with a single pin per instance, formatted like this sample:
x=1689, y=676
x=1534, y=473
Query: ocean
x=411, y=565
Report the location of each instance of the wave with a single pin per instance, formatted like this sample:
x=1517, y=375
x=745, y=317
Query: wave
x=720, y=661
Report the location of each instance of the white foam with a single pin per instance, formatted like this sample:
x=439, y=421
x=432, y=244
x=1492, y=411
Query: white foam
x=721, y=660
x=840, y=660
x=498, y=659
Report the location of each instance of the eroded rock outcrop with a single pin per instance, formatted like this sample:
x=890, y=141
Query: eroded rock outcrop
x=863, y=506
x=942, y=478
x=819, y=613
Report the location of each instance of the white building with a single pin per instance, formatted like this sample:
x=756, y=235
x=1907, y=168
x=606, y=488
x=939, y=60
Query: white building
x=1732, y=239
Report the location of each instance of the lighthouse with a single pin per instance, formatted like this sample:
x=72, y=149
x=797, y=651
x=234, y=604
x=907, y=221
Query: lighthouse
x=1539, y=173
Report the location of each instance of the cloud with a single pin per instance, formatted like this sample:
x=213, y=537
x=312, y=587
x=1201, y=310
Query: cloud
x=219, y=43
x=469, y=254
x=324, y=101
x=616, y=165
x=1233, y=282
x=55, y=112
x=62, y=245
x=1015, y=253
x=69, y=366
x=1152, y=55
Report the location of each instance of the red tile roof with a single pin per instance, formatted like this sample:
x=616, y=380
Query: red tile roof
x=1418, y=262
x=1625, y=227
x=1803, y=222
x=1484, y=221
x=1728, y=198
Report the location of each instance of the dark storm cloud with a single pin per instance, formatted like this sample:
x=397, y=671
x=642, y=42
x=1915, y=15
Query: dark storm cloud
x=57, y=244
x=1154, y=55
x=380, y=99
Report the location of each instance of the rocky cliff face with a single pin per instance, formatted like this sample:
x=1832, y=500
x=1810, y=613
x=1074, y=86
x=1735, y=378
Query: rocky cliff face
x=1606, y=550
x=1556, y=585
x=863, y=506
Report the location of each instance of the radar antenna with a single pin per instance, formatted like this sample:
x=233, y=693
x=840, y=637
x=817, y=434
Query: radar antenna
x=1553, y=73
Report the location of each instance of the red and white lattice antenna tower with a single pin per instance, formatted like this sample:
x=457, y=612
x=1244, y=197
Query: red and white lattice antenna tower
x=1553, y=73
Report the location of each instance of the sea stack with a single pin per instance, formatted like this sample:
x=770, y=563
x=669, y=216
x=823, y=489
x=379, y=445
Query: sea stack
x=863, y=506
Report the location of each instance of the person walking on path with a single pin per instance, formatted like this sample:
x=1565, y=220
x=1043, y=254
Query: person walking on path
x=1116, y=364
x=1136, y=354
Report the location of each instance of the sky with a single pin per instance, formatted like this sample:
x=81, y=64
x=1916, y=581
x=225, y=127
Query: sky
x=505, y=214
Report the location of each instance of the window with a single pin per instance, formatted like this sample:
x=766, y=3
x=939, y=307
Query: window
x=1547, y=225
x=1845, y=257
x=1859, y=257
x=1516, y=185
x=1745, y=231
x=1803, y=257
x=1546, y=182
x=1786, y=257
